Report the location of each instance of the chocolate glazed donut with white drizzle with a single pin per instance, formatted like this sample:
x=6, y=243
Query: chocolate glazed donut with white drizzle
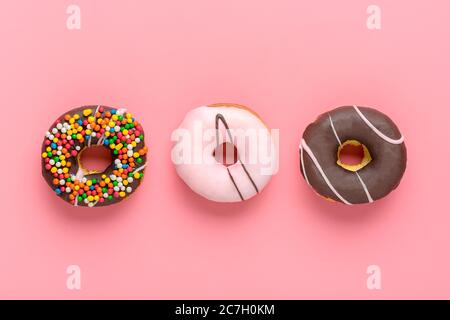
x=383, y=162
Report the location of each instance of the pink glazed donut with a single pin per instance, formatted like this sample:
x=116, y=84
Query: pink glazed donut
x=225, y=152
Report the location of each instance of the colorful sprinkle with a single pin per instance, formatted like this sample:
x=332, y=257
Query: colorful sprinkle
x=73, y=133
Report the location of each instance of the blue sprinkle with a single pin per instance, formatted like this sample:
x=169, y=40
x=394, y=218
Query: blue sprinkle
x=53, y=145
x=111, y=130
x=58, y=191
x=113, y=111
x=124, y=166
x=106, y=142
x=92, y=187
x=80, y=122
x=87, y=137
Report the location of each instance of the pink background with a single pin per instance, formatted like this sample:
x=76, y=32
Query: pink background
x=288, y=60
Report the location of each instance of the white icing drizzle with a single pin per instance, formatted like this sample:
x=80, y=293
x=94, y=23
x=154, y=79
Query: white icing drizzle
x=303, y=165
x=334, y=130
x=80, y=174
x=76, y=201
x=378, y=132
x=140, y=168
x=101, y=139
x=319, y=167
x=369, y=197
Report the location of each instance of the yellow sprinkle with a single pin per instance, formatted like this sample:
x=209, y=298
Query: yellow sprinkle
x=62, y=157
x=111, y=124
x=107, y=133
x=128, y=115
x=133, y=143
x=53, y=170
x=88, y=131
x=55, y=140
x=122, y=194
x=76, y=116
x=80, y=128
x=69, y=132
x=44, y=155
x=65, y=170
x=79, y=136
x=125, y=132
x=114, y=117
x=72, y=121
x=63, y=163
x=48, y=149
x=107, y=180
x=112, y=145
x=96, y=198
x=119, y=146
x=90, y=198
x=125, y=182
x=129, y=121
x=136, y=175
x=120, y=170
x=136, y=155
x=103, y=176
x=89, y=183
x=91, y=119
x=87, y=112
x=77, y=187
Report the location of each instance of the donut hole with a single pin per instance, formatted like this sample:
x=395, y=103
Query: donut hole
x=352, y=155
x=95, y=159
x=226, y=154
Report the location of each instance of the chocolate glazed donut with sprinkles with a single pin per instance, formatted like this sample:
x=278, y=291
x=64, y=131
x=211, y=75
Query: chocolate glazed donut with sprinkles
x=382, y=150
x=80, y=129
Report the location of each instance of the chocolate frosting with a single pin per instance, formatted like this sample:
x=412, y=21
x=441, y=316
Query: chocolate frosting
x=368, y=126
